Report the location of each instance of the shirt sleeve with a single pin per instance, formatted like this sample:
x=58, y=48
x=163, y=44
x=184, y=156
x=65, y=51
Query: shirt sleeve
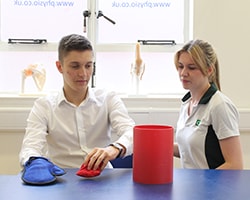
x=34, y=141
x=122, y=124
x=225, y=120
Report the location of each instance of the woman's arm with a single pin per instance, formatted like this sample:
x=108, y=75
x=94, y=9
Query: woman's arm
x=176, y=150
x=232, y=153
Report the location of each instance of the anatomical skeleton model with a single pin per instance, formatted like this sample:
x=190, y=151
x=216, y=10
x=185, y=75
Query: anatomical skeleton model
x=137, y=69
x=38, y=74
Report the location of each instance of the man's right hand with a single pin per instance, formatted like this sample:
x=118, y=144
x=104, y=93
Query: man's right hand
x=40, y=171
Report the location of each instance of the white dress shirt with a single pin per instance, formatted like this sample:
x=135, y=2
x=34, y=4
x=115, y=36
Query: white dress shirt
x=65, y=133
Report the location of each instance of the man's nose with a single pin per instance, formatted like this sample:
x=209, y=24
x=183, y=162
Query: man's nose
x=82, y=71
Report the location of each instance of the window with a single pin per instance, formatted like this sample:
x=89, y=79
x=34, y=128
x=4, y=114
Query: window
x=113, y=26
x=154, y=20
x=141, y=20
x=41, y=19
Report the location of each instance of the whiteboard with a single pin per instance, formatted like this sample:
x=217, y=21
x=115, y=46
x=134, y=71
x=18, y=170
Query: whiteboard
x=41, y=19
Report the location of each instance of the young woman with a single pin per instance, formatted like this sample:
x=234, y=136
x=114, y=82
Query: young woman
x=207, y=134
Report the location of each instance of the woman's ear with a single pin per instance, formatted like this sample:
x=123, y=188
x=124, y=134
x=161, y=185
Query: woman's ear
x=59, y=66
x=210, y=70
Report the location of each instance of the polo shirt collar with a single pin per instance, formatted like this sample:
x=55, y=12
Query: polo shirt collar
x=206, y=97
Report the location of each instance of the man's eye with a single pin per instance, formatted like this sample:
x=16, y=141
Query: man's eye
x=88, y=66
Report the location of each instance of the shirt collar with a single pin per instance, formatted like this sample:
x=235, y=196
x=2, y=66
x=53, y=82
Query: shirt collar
x=89, y=97
x=206, y=97
x=61, y=97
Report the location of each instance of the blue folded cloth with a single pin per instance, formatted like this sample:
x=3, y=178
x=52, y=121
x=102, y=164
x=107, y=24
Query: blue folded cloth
x=40, y=171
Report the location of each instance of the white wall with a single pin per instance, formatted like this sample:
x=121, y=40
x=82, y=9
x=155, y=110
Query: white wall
x=225, y=24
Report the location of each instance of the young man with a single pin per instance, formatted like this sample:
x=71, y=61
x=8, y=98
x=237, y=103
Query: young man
x=74, y=127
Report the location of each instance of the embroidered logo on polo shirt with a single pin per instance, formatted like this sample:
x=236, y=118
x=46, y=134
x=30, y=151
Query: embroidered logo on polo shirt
x=197, y=123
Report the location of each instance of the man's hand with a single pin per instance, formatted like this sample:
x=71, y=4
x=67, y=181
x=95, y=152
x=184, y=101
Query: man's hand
x=40, y=171
x=99, y=157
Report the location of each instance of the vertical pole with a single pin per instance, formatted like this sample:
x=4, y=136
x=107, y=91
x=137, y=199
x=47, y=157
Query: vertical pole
x=91, y=34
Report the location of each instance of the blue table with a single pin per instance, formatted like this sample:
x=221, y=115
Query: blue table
x=118, y=184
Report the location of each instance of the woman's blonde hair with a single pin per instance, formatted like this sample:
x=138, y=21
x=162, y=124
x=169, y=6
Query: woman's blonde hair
x=203, y=56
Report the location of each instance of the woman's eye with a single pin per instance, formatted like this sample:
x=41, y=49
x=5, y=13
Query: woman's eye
x=192, y=67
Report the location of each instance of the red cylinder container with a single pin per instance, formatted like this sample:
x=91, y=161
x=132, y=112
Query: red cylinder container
x=153, y=154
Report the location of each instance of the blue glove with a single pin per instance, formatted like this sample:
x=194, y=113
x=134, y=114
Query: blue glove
x=40, y=171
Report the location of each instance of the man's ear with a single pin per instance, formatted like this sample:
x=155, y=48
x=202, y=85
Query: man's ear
x=59, y=66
